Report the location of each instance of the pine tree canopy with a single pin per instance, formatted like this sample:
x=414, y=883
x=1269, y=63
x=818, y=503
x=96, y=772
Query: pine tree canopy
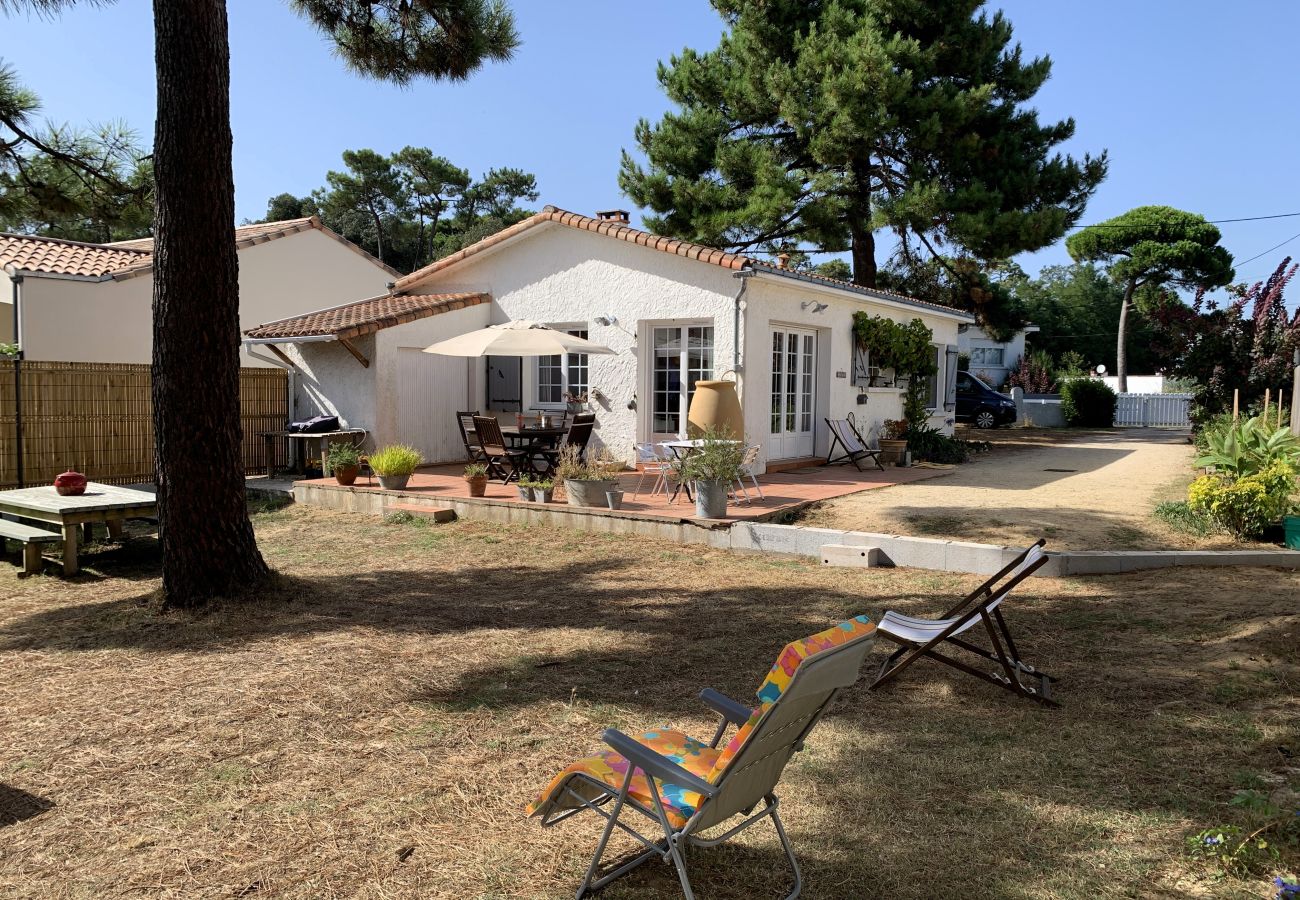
x=821, y=123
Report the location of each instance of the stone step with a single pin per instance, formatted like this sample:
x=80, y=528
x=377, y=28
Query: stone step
x=852, y=557
x=432, y=513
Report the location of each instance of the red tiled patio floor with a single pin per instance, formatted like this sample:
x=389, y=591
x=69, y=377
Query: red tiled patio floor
x=782, y=492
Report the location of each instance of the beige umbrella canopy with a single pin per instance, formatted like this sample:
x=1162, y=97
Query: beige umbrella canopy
x=521, y=338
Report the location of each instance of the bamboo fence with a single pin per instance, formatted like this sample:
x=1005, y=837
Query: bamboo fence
x=97, y=418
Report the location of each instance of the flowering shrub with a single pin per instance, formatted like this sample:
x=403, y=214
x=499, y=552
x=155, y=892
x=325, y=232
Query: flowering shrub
x=1033, y=375
x=1244, y=506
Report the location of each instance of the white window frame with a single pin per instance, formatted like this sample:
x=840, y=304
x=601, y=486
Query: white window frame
x=977, y=357
x=568, y=361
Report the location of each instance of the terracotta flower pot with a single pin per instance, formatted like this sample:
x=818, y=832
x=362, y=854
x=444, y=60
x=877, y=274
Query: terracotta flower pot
x=892, y=452
x=477, y=485
x=70, y=484
x=346, y=474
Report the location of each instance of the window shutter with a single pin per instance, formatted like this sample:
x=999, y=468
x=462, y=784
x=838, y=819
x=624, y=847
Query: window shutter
x=861, y=365
x=950, y=378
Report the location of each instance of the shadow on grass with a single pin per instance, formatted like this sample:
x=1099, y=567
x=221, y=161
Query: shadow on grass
x=17, y=805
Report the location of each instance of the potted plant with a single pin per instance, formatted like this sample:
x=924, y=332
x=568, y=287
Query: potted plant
x=893, y=441
x=614, y=499
x=345, y=461
x=394, y=465
x=542, y=490
x=524, y=487
x=587, y=481
x=713, y=465
x=476, y=478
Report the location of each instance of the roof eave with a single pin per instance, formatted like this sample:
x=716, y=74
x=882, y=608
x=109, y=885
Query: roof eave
x=863, y=293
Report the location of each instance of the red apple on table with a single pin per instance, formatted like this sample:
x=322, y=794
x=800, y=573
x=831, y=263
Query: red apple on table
x=70, y=484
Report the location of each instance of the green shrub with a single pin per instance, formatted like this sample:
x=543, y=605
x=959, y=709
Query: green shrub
x=1244, y=506
x=1247, y=446
x=1088, y=403
x=395, y=459
x=718, y=457
x=932, y=445
x=343, y=455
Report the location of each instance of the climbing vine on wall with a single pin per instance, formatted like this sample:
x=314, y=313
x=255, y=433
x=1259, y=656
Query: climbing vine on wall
x=905, y=348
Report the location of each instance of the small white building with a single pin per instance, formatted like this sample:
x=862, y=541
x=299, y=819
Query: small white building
x=76, y=302
x=674, y=312
x=990, y=360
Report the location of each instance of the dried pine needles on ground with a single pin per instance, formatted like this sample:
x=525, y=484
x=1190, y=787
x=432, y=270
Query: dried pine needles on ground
x=376, y=725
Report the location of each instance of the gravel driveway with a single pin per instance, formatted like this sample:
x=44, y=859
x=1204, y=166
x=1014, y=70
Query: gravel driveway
x=1092, y=490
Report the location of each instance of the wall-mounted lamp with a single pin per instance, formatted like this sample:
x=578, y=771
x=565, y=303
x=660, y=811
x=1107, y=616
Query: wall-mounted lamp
x=605, y=321
x=813, y=305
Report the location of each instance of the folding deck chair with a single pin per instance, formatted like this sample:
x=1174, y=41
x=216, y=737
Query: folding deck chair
x=686, y=786
x=921, y=637
x=845, y=436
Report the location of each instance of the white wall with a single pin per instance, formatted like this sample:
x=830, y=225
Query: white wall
x=111, y=321
x=561, y=275
x=1138, y=384
x=564, y=276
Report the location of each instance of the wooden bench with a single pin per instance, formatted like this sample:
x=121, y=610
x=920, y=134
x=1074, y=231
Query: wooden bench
x=31, y=538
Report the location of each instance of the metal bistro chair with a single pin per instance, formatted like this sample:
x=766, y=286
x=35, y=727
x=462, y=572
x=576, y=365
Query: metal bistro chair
x=466, y=422
x=651, y=462
x=686, y=786
x=747, y=465
x=503, y=462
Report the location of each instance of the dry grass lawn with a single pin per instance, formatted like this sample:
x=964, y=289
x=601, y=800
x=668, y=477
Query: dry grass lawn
x=375, y=727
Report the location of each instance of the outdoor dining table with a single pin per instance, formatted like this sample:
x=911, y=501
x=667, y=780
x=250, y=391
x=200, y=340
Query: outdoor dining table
x=532, y=433
x=110, y=504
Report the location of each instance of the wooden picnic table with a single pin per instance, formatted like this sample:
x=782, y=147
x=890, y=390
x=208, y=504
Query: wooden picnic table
x=110, y=504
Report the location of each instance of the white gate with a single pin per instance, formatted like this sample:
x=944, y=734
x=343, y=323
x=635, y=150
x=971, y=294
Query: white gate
x=1149, y=410
x=430, y=389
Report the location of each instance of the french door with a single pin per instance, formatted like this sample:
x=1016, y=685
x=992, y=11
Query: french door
x=794, y=368
x=683, y=355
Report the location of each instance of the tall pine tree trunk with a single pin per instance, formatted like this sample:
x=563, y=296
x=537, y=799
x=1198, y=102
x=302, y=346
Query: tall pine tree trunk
x=862, y=240
x=208, y=548
x=1121, y=344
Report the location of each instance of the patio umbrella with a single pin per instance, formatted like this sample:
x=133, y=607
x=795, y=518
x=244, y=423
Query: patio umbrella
x=521, y=338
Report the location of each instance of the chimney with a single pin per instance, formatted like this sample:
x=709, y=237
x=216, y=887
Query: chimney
x=783, y=260
x=617, y=216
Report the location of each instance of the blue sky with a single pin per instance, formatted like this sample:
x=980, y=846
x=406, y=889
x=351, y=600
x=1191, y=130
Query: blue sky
x=1192, y=99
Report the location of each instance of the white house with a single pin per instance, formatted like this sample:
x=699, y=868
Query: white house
x=993, y=361
x=674, y=311
x=77, y=302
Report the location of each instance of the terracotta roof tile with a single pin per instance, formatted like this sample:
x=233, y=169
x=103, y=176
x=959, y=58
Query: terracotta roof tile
x=125, y=259
x=366, y=316
x=676, y=246
x=25, y=253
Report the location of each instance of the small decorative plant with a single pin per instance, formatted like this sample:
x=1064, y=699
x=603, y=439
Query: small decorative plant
x=719, y=457
x=1247, y=505
x=894, y=430
x=345, y=461
x=476, y=478
x=475, y=470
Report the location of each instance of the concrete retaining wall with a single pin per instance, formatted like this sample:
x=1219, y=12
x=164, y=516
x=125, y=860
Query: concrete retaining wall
x=763, y=537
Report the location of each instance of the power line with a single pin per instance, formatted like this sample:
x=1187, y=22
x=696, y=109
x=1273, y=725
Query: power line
x=1238, y=265
x=1291, y=215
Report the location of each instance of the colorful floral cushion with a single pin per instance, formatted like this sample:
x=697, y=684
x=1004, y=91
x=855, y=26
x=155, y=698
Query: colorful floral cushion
x=692, y=755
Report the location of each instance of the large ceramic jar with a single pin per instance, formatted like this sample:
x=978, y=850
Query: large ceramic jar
x=716, y=405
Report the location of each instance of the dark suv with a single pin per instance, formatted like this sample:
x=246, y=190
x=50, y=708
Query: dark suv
x=980, y=405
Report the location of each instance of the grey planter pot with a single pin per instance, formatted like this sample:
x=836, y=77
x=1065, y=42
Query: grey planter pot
x=394, y=482
x=525, y=493
x=711, y=499
x=588, y=493
x=542, y=495
x=614, y=499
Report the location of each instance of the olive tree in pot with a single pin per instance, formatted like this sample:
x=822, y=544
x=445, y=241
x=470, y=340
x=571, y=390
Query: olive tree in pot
x=394, y=465
x=586, y=481
x=713, y=465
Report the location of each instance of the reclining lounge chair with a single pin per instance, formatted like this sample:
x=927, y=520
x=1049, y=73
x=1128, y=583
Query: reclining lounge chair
x=845, y=435
x=922, y=637
x=686, y=786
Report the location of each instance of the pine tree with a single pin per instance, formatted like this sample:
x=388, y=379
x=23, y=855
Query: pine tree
x=823, y=123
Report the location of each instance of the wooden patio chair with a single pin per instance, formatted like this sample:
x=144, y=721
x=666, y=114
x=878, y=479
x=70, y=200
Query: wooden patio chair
x=845, y=436
x=922, y=637
x=685, y=786
x=578, y=435
x=502, y=462
x=465, y=420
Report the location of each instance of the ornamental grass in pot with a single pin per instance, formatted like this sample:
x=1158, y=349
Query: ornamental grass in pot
x=713, y=466
x=587, y=481
x=345, y=462
x=394, y=465
x=476, y=478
